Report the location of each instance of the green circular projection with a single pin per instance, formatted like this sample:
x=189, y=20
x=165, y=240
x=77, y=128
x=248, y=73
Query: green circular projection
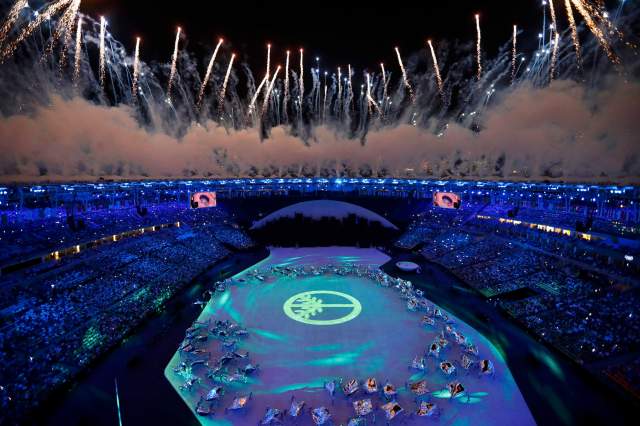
x=304, y=306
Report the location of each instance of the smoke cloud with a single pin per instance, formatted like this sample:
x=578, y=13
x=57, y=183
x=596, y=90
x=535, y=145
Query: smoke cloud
x=561, y=132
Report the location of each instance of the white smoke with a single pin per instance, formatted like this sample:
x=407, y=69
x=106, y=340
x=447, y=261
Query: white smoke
x=559, y=132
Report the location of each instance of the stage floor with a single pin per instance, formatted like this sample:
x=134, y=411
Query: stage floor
x=357, y=329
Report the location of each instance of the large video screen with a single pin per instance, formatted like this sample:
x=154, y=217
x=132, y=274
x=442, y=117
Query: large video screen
x=446, y=200
x=203, y=200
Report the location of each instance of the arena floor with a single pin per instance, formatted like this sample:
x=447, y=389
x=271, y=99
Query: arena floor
x=358, y=330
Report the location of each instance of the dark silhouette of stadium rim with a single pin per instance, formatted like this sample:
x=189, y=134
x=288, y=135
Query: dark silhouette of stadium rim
x=323, y=223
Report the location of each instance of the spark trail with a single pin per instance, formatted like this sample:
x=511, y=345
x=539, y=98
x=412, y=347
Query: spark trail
x=265, y=104
x=207, y=76
x=64, y=30
x=324, y=102
x=514, y=53
x=404, y=76
x=252, y=104
x=301, y=75
x=478, y=47
x=103, y=56
x=268, y=60
x=174, y=63
x=595, y=30
x=554, y=57
x=11, y=19
x=45, y=15
x=136, y=71
x=436, y=69
x=339, y=100
x=268, y=73
x=78, y=53
x=350, y=86
x=384, y=84
x=554, y=21
x=286, y=82
x=223, y=91
x=370, y=99
x=574, y=32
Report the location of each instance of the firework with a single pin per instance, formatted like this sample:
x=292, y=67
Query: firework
x=436, y=69
x=478, y=47
x=268, y=60
x=136, y=70
x=345, y=110
x=316, y=86
x=264, y=82
x=602, y=15
x=574, y=31
x=339, y=100
x=301, y=74
x=265, y=105
x=64, y=30
x=46, y=14
x=252, y=104
x=384, y=83
x=554, y=56
x=174, y=63
x=11, y=19
x=404, y=75
x=584, y=10
x=268, y=73
x=514, y=53
x=370, y=99
x=324, y=100
x=78, y=54
x=207, y=76
x=103, y=62
x=286, y=81
x=223, y=91
x=349, y=86
x=554, y=22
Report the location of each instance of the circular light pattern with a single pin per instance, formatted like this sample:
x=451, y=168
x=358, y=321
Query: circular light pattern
x=302, y=307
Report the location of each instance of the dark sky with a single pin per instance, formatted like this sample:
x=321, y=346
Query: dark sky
x=363, y=36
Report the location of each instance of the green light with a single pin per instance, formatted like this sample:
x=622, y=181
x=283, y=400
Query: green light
x=91, y=338
x=267, y=334
x=303, y=306
x=223, y=299
x=550, y=362
x=417, y=376
x=337, y=359
x=442, y=394
x=322, y=348
x=315, y=385
x=464, y=398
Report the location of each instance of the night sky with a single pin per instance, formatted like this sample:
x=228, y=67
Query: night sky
x=362, y=36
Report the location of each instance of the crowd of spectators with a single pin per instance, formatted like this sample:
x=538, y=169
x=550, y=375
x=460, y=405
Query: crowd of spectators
x=24, y=239
x=577, y=295
x=432, y=222
x=607, y=254
x=597, y=327
x=56, y=318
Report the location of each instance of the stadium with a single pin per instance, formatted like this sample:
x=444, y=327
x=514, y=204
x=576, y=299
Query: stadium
x=531, y=277
x=450, y=236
